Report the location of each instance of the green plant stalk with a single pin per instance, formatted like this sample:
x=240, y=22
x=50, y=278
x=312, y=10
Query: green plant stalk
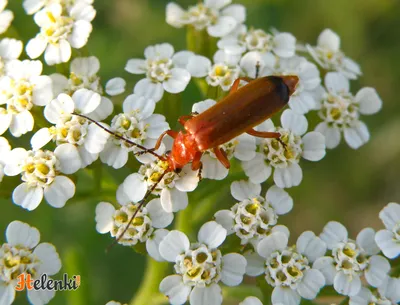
x=148, y=291
x=170, y=106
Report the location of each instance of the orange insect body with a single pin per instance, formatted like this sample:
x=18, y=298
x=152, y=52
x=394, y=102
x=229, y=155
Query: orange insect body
x=237, y=113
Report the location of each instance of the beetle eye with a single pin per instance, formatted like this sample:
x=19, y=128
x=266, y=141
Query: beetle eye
x=178, y=170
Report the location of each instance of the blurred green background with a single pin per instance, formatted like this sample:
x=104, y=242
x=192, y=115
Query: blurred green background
x=348, y=186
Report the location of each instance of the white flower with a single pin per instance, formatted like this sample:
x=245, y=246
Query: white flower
x=223, y=73
x=302, y=100
x=59, y=31
x=390, y=289
x=351, y=259
x=242, y=148
x=115, y=86
x=254, y=217
x=87, y=139
x=341, y=111
x=328, y=55
x=366, y=297
x=9, y=49
x=164, y=70
x=40, y=171
x=33, y=6
x=247, y=40
x=6, y=16
x=22, y=253
x=251, y=301
x=143, y=227
x=217, y=16
x=172, y=188
x=138, y=124
x=199, y=266
x=389, y=240
x=5, y=148
x=21, y=88
x=285, y=158
x=288, y=269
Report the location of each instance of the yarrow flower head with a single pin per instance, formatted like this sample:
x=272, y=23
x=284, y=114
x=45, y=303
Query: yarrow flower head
x=249, y=40
x=139, y=125
x=284, y=154
x=218, y=17
x=242, y=148
x=164, y=69
x=254, y=217
x=387, y=294
x=351, y=259
x=288, y=269
x=302, y=100
x=172, y=188
x=329, y=56
x=33, y=6
x=60, y=30
x=21, y=88
x=41, y=175
x=199, y=267
x=6, y=16
x=340, y=111
x=10, y=49
x=85, y=138
x=22, y=254
x=5, y=148
x=147, y=226
x=388, y=240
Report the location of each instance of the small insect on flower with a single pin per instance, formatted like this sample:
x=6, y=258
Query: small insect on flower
x=237, y=113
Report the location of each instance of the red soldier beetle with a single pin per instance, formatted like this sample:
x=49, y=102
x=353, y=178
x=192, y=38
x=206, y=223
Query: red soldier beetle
x=239, y=112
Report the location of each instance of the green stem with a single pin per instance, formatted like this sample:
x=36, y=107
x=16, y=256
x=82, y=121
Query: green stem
x=170, y=107
x=148, y=291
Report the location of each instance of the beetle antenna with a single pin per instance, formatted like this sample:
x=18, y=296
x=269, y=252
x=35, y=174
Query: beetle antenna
x=144, y=149
x=141, y=204
x=257, y=69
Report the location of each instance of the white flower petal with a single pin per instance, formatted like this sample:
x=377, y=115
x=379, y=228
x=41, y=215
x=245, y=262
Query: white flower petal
x=233, y=269
x=80, y=34
x=377, y=270
x=163, y=50
x=21, y=234
x=5, y=121
x=178, y=81
x=285, y=295
x=41, y=138
x=212, y=168
x=147, y=88
x=27, y=197
x=21, y=123
x=366, y=240
x=135, y=187
x=68, y=155
x=256, y=169
x=198, y=66
x=362, y=298
x=36, y=46
x=153, y=244
x=223, y=26
x=311, y=284
x=226, y=219
x=285, y=45
x=243, y=189
x=357, y=136
x=159, y=217
x=57, y=53
x=104, y=217
x=173, y=200
x=273, y=242
x=181, y=59
x=209, y=295
x=7, y=293
x=49, y=258
x=136, y=66
x=302, y=103
x=387, y=243
x=216, y=4
x=369, y=101
x=174, y=14
x=255, y=264
x=86, y=157
x=86, y=101
x=61, y=105
x=96, y=138
x=331, y=134
x=346, y=284
x=326, y=266
x=251, y=301
x=337, y=83
x=329, y=40
x=212, y=234
x=143, y=106
x=313, y=146
x=174, y=288
x=245, y=150
x=113, y=155
x=236, y=11
x=390, y=215
x=59, y=192
x=174, y=244
x=295, y=122
x=289, y=176
x=87, y=66
x=279, y=199
x=42, y=93
x=310, y=245
x=334, y=233
x=115, y=86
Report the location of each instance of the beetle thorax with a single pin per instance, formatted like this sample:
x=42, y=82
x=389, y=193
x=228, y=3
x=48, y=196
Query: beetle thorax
x=183, y=151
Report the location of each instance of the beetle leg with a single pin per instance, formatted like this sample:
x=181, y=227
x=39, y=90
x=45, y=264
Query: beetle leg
x=182, y=119
x=171, y=133
x=263, y=134
x=236, y=83
x=222, y=157
x=197, y=164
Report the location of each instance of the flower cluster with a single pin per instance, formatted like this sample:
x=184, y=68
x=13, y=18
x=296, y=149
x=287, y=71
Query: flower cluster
x=76, y=125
